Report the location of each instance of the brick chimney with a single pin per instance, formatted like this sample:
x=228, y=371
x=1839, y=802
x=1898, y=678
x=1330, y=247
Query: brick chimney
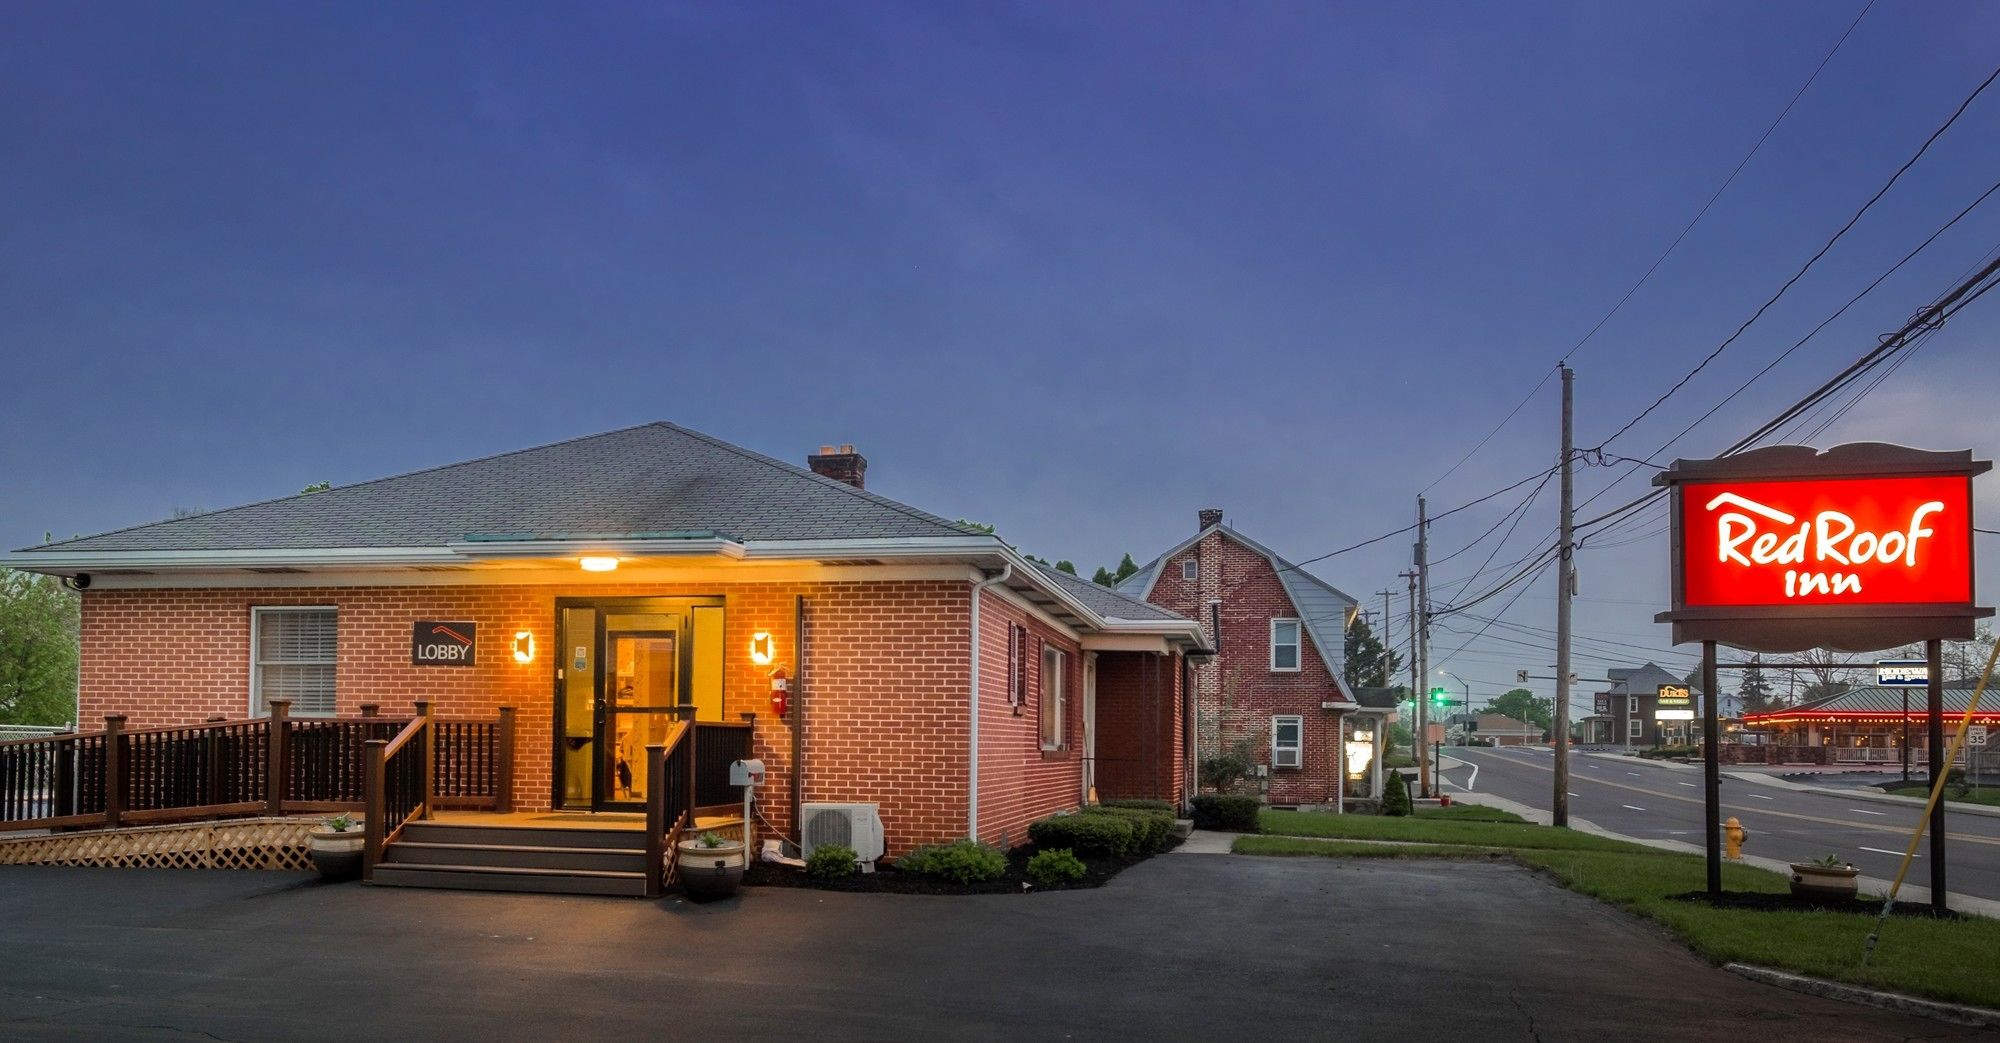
x=1209, y=516
x=841, y=464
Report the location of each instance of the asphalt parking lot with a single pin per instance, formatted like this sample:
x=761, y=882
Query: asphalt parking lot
x=1184, y=947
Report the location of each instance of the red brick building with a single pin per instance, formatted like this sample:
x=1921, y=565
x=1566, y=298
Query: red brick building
x=1274, y=689
x=601, y=585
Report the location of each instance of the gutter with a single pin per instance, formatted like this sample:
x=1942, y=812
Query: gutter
x=972, y=758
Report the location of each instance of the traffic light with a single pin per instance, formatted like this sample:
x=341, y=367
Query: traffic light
x=1440, y=696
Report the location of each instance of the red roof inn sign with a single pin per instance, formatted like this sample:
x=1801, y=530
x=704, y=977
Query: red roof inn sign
x=1861, y=547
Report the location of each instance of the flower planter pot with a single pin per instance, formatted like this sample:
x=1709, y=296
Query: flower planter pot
x=710, y=872
x=1824, y=882
x=337, y=853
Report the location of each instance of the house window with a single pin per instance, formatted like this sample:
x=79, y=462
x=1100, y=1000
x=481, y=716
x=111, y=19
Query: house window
x=1285, y=645
x=1635, y=728
x=1017, y=666
x=292, y=656
x=1055, y=696
x=1287, y=741
x=1190, y=570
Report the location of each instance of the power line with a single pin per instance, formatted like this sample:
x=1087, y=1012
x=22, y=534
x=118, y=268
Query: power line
x=1412, y=526
x=1811, y=261
x=1619, y=305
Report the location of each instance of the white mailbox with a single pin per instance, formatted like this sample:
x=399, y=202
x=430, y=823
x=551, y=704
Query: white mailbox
x=746, y=773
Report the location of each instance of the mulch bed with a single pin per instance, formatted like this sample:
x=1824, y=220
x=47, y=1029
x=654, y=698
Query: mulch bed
x=887, y=880
x=1786, y=903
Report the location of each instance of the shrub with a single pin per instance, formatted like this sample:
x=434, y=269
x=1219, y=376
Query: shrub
x=965, y=861
x=830, y=862
x=1150, y=829
x=1395, y=795
x=1056, y=866
x=1225, y=811
x=1139, y=805
x=1097, y=835
x=1224, y=771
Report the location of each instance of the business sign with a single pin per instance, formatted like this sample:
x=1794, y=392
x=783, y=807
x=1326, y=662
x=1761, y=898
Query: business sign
x=1903, y=673
x=1861, y=547
x=1676, y=703
x=443, y=642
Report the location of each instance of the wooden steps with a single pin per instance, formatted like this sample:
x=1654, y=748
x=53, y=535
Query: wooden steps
x=509, y=857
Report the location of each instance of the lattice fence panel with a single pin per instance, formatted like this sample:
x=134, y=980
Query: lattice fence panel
x=260, y=843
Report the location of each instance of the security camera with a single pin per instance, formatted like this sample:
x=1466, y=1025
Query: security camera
x=80, y=581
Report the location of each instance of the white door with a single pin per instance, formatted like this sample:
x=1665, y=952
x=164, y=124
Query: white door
x=1089, y=725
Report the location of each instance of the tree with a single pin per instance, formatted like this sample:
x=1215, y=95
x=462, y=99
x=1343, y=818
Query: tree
x=39, y=621
x=1822, y=668
x=1108, y=578
x=1524, y=705
x=979, y=526
x=1065, y=565
x=1755, y=690
x=1369, y=665
x=316, y=487
x=1395, y=795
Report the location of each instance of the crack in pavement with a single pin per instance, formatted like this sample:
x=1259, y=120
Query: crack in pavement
x=1514, y=996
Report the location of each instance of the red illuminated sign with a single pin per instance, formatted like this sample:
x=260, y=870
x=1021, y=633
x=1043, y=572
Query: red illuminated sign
x=1860, y=547
x=1835, y=541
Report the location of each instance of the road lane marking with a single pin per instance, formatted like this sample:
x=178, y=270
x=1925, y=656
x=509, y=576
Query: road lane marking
x=1879, y=851
x=1634, y=807
x=1822, y=820
x=1760, y=796
x=1689, y=785
x=1860, y=811
x=1634, y=774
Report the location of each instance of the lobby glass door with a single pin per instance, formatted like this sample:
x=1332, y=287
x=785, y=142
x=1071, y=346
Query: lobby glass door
x=630, y=668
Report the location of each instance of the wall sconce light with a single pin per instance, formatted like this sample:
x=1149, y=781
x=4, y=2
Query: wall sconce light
x=760, y=648
x=524, y=646
x=598, y=564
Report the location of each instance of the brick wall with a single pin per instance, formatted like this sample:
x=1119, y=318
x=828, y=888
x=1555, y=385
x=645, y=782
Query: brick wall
x=1237, y=693
x=1140, y=731
x=1019, y=781
x=886, y=679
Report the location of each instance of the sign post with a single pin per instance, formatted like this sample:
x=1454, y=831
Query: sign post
x=1904, y=674
x=1861, y=547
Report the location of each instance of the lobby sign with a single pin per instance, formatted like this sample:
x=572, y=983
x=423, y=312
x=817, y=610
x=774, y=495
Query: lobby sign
x=436, y=642
x=1861, y=547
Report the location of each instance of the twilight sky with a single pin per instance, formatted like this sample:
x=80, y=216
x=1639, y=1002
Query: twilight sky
x=1074, y=270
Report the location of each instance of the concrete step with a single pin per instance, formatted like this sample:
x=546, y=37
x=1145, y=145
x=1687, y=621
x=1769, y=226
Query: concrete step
x=517, y=856
x=498, y=878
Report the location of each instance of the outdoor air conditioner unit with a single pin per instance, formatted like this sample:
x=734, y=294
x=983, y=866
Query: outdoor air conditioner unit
x=857, y=826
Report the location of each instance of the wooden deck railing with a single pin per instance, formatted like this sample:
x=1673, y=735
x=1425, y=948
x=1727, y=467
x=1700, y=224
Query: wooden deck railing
x=223, y=768
x=670, y=789
x=398, y=786
x=716, y=746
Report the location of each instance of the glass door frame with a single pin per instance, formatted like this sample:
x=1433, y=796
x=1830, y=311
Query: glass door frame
x=601, y=714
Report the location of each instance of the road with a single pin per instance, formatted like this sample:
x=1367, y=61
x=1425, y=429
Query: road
x=1646, y=800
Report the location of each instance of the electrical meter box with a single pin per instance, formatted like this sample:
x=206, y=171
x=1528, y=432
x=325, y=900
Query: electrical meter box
x=746, y=773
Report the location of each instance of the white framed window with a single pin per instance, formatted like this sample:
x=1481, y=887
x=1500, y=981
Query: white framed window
x=1288, y=740
x=1017, y=666
x=1635, y=728
x=1284, y=645
x=293, y=655
x=1055, y=696
x=1190, y=570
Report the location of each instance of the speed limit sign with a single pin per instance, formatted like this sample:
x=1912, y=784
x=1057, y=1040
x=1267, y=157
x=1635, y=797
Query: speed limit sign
x=1975, y=735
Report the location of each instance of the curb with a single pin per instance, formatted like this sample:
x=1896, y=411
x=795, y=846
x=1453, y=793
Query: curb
x=1775, y=781
x=1957, y=1014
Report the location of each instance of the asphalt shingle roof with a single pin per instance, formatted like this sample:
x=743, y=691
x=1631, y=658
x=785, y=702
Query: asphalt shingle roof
x=653, y=479
x=1883, y=699
x=1104, y=601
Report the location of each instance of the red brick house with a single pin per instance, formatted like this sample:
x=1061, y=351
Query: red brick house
x=1274, y=689
x=606, y=586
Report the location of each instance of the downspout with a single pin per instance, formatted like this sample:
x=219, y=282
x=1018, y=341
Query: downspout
x=972, y=776
x=798, y=697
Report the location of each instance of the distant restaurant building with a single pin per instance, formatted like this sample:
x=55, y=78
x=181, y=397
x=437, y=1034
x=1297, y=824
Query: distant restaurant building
x=1859, y=726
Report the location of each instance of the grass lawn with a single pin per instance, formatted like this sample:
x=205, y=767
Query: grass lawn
x=1947, y=960
x=1988, y=796
x=1462, y=812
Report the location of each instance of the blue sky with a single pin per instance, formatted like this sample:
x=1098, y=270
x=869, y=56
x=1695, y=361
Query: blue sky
x=1075, y=270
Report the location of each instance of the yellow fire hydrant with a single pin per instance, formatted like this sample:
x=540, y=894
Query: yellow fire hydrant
x=1733, y=836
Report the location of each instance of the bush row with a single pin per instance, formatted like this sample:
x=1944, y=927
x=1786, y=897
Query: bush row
x=1106, y=831
x=1226, y=811
x=966, y=861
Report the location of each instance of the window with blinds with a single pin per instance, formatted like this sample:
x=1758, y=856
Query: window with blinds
x=293, y=656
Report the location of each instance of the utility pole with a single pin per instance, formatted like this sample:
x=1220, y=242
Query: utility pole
x=1387, y=645
x=1416, y=700
x=1565, y=587
x=1424, y=779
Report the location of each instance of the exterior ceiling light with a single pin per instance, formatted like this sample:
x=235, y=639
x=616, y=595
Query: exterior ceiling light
x=598, y=564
